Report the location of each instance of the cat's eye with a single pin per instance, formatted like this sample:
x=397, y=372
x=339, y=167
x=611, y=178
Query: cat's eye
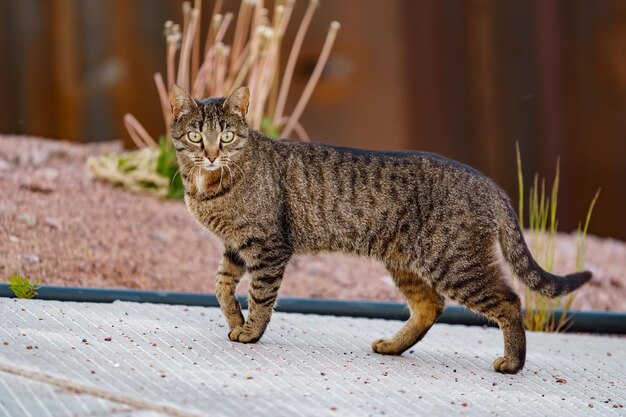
x=195, y=137
x=227, y=137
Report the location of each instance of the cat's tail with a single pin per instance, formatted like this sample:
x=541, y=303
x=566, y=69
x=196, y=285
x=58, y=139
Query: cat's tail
x=517, y=255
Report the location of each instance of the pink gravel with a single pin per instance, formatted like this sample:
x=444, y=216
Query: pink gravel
x=62, y=227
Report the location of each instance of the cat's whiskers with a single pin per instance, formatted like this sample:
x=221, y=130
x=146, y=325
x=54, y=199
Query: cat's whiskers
x=237, y=166
x=180, y=168
x=221, y=175
x=230, y=176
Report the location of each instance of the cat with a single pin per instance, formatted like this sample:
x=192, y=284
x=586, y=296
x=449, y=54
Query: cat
x=441, y=228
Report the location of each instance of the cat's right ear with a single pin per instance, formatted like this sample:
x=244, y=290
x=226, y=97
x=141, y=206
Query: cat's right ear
x=180, y=101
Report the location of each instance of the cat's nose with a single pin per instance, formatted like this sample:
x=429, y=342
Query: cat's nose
x=211, y=152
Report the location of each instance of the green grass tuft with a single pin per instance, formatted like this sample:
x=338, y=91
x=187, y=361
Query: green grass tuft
x=543, y=223
x=22, y=287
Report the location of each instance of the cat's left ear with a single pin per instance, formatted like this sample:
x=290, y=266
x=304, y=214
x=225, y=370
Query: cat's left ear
x=238, y=101
x=181, y=101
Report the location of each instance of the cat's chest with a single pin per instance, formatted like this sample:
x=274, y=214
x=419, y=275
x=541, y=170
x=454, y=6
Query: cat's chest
x=216, y=217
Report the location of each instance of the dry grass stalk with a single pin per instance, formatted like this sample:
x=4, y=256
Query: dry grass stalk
x=139, y=135
x=253, y=59
x=195, y=52
x=172, y=40
x=293, y=58
x=163, y=98
x=317, y=72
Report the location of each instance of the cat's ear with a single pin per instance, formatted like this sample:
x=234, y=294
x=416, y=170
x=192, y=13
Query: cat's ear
x=181, y=101
x=238, y=101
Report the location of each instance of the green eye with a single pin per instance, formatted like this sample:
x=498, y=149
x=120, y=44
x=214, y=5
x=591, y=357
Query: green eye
x=227, y=137
x=195, y=137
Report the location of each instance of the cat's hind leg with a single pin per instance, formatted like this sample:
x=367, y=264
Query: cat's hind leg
x=508, y=315
x=229, y=273
x=425, y=305
x=481, y=287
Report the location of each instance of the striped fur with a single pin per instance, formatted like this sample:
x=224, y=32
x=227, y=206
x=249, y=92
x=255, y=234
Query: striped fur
x=433, y=222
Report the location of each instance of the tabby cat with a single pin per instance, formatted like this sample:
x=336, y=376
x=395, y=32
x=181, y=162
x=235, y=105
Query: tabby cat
x=441, y=228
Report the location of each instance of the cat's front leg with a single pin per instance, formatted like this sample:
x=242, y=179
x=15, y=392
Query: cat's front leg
x=266, y=276
x=229, y=273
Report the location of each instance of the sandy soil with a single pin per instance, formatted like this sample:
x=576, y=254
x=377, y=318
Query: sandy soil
x=62, y=227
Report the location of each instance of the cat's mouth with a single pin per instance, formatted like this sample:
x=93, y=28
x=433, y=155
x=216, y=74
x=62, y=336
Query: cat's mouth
x=211, y=166
x=208, y=165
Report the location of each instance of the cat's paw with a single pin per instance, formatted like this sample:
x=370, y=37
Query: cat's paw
x=507, y=365
x=234, y=333
x=386, y=347
x=235, y=320
x=243, y=334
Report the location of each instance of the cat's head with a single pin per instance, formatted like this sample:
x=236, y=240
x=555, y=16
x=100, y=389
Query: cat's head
x=209, y=133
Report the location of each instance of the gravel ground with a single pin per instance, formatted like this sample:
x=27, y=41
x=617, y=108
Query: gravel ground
x=62, y=227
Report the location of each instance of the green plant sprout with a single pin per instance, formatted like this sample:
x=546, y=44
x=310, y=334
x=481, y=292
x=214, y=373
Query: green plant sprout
x=543, y=223
x=167, y=167
x=22, y=287
x=581, y=250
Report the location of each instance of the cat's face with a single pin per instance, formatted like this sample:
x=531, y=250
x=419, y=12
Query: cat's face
x=211, y=133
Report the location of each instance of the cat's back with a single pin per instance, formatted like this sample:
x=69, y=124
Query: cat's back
x=405, y=168
x=340, y=197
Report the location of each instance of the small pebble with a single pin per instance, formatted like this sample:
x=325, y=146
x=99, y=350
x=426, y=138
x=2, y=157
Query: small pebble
x=161, y=235
x=5, y=165
x=27, y=219
x=53, y=223
x=13, y=239
x=29, y=258
x=107, y=339
x=7, y=208
x=47, y=173
x=38, y=186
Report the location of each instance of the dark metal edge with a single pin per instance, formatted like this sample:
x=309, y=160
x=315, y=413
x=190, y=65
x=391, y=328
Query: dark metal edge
x=581, y=321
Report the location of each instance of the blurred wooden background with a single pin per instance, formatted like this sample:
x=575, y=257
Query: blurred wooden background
x=465, y=78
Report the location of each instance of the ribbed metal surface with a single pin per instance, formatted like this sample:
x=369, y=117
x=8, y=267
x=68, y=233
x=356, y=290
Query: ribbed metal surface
x=152, y=360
